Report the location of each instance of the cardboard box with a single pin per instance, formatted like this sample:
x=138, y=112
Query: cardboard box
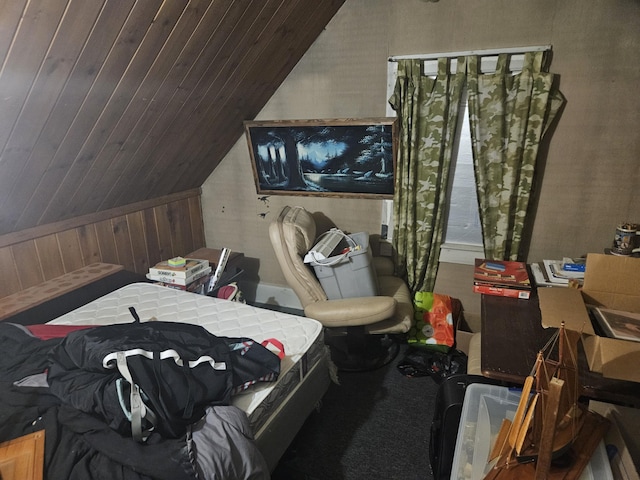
x=610, y=281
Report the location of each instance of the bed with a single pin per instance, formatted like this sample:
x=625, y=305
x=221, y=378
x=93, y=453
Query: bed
x=275, y=410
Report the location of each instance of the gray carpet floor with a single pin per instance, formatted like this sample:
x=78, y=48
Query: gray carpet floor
x=373, y=425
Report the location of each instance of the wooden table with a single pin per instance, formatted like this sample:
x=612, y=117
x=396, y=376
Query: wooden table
x=512, y=335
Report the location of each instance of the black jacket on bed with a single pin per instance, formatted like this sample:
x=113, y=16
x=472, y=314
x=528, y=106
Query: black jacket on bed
x=79, y=444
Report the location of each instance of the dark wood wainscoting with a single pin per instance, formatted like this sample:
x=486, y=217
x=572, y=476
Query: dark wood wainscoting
x=134, y=236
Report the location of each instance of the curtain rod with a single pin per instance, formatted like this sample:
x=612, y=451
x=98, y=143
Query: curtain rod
x=540, y=48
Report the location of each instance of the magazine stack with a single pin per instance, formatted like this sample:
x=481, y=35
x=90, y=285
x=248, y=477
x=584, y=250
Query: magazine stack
x=502, y=278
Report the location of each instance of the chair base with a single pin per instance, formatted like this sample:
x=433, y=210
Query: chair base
x=354, y=350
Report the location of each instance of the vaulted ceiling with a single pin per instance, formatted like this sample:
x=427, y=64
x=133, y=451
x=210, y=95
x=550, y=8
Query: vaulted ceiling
x=104, y=103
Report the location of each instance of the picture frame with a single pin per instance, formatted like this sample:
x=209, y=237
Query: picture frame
x=327, y=157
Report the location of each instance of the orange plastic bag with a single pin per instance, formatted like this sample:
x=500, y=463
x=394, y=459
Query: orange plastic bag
x=434, y=326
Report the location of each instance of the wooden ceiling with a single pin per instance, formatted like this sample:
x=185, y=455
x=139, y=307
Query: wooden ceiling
x=104, y=103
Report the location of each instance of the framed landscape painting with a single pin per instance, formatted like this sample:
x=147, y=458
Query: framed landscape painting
x=337, y=157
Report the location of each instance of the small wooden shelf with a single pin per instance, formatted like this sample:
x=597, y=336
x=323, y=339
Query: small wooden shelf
x=38, y=294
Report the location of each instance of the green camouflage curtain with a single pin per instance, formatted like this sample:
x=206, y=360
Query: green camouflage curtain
x=427, y=109
x=509, y=114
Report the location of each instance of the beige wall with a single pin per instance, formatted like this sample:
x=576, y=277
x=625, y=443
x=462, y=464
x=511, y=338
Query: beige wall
x=591, y=176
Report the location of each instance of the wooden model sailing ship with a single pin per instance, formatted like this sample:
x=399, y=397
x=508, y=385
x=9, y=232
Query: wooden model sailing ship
x=549, y=423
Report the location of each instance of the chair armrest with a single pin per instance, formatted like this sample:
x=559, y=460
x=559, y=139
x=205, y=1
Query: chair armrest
x=348, y=312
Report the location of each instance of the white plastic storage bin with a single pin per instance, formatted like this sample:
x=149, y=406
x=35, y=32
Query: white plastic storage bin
x=483, y=409
x=349, y=275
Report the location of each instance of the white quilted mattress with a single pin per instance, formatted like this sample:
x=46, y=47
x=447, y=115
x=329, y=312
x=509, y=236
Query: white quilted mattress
x=301, y=336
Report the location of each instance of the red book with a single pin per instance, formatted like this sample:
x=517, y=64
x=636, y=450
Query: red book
x=502, y=292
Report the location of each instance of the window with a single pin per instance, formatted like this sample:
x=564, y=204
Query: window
x=463, y=220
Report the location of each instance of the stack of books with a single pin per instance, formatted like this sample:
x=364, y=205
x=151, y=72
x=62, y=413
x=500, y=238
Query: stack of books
x=502, y=278
x=559, y=273
x=192, y=276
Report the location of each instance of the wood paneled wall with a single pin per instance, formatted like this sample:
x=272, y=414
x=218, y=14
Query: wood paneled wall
x=109, y=102
x=134, y=236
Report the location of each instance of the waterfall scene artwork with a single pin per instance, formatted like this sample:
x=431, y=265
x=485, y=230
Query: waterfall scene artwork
x=340, y=157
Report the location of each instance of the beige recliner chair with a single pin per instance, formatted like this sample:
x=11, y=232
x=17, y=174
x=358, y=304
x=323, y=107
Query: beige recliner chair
x=358, y=330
